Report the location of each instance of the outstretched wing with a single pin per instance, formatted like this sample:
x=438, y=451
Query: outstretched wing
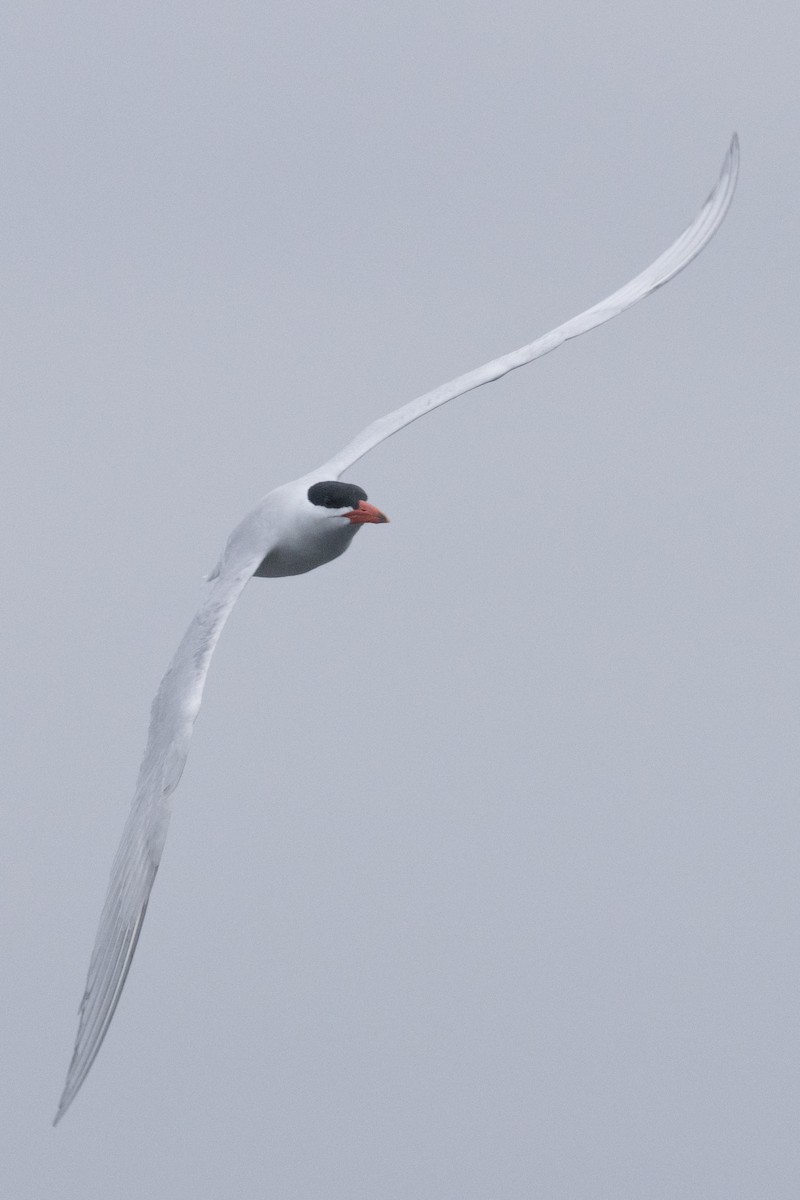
x=673, y=260
x=172, y=716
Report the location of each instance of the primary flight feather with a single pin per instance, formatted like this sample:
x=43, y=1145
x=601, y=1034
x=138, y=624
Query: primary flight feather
x=294, y=529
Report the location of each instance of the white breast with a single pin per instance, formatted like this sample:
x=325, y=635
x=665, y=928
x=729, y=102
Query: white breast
x=316, y=543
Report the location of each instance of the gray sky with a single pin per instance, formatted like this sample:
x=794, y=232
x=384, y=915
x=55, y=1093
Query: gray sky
x=482, y=882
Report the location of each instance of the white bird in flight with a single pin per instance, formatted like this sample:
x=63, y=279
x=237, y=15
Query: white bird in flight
x=294, y=529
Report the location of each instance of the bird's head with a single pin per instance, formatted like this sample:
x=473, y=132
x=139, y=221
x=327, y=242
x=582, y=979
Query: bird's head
x=346, y=501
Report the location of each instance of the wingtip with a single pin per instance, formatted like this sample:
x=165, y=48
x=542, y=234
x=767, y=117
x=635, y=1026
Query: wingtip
x=63, y=1104
x=731, y=164
x=722, y=193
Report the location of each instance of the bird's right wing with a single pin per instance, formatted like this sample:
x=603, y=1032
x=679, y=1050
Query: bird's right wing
x=673, y=260
x=172, y=716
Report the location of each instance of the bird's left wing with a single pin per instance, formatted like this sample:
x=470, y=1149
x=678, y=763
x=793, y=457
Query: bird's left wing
x=673, y=260
x=172, y=716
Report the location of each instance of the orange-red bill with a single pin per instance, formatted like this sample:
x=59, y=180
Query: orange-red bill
x=366, y=514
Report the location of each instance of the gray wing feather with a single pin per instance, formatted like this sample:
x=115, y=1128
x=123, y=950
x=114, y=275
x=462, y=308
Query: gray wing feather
x=172, y=717
x=673, y=260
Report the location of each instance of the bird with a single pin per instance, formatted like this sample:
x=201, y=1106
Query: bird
x=294, y=529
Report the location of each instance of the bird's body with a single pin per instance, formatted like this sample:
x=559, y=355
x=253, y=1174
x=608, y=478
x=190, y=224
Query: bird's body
x=294, y=529
x=305, y=549
x=304, y=535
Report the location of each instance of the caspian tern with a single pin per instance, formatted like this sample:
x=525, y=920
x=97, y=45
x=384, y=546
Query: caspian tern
x=295, y=528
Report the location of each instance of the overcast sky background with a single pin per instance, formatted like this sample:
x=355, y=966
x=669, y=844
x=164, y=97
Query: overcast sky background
x=482, y=880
